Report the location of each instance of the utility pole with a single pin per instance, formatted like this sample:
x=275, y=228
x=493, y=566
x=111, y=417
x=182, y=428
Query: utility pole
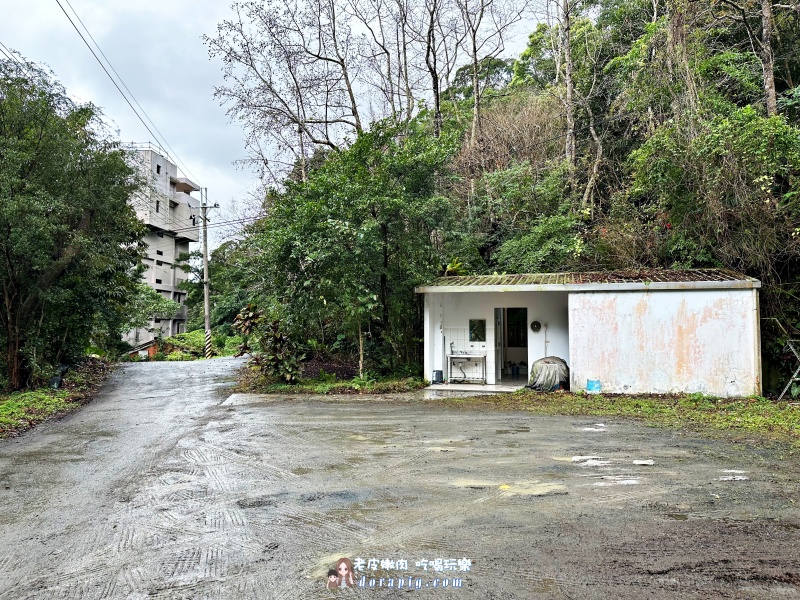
x=206, y=279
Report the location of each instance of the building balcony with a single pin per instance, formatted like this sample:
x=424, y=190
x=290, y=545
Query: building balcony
x=181, y=314
x=183, y=208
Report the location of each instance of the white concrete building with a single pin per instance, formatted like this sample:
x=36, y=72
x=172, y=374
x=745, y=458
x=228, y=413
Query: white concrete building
x=167, y=207
x=658, y=332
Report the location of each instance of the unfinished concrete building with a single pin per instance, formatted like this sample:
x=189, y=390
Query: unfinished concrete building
x=170, y=212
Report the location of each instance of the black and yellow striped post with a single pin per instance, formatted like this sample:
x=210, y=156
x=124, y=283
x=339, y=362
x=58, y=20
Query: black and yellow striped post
x=206, y=302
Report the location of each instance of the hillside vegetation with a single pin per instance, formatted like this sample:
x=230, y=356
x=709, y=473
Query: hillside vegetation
x=626, y=135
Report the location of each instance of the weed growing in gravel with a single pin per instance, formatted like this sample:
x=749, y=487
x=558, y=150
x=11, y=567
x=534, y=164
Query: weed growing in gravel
x=756, y=416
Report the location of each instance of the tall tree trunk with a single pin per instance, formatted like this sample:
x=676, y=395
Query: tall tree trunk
x=476, y=89
x=303, y=167
x=18, y=369
x=569, y=84
x=360, y=351
x=768, y=57
x=588, y=193
x=430, y=61
x=384, y=278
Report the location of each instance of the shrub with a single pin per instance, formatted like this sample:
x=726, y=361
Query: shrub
x=277, y=355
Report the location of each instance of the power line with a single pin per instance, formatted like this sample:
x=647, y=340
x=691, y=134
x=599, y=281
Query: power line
x=122, y=81
x=138, y=201
x=104, y=68
x=242, y=221
x=116, y=85
x=13, y=58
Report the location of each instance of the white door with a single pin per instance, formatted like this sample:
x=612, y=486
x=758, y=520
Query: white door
x=499, y=344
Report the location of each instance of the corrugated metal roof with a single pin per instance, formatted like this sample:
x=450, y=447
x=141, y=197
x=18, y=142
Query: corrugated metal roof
x=620, y=279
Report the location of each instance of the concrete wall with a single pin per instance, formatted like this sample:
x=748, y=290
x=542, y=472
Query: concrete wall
x=666, y=341
x=447, y=318
x=167, y=211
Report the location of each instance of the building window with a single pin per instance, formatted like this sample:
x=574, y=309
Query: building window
x=158, y=281
x=157, y=320
x=159, y=234
x=158, y=205
x=159, y=263
x=158, y=169
x=160, y=252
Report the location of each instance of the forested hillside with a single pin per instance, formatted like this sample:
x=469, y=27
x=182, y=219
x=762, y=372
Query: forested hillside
x=399, y=142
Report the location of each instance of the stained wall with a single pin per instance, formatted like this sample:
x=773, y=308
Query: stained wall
x=703, y=341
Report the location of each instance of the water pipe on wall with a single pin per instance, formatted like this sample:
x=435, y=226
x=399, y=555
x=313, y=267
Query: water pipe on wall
x=546, y=341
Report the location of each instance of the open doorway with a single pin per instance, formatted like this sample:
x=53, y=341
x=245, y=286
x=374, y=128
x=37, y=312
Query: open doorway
x=511, y=344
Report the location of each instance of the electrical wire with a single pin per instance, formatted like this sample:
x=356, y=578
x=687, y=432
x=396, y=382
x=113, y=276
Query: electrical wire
x=122, y=81
x=242, y=221
x=13, y=58
x=116, y=85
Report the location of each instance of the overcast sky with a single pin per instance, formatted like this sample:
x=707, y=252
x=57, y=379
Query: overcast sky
x=156, y=47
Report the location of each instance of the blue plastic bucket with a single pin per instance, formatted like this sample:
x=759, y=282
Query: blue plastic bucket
x=593, y=386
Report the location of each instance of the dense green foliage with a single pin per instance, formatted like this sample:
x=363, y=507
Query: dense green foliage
x=69, y=240
x=680, y=161
x=23, y=410
x=275, y=354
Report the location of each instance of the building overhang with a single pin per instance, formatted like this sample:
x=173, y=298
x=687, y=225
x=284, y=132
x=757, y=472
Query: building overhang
x=183, y=184
x=609, y=281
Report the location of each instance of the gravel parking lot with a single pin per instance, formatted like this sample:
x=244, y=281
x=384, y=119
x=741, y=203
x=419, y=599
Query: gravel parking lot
x=166, y=486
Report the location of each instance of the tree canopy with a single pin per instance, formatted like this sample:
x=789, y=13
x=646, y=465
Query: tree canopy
x=628, y=134
x=69, y=239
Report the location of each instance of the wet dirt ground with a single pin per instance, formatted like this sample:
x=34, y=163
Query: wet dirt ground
x=167, y=486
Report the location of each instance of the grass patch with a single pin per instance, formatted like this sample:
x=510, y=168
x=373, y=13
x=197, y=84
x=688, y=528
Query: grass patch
x=20, y=411
x=749, y=417
x=191, y=346
x=251, y=381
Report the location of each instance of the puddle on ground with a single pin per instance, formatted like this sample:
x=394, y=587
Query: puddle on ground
x=644, y=463
x=518, y=488
x=338, y=467
x=515, y=430
x=733, y=478
x=611, y=480
x=356, y=437
x=533, y=488
x=577, y=459
x=256, y=502
x=441, y=394
x=591, y=461
x=447, y=443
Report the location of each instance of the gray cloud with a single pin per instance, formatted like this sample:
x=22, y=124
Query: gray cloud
x=157, y=49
